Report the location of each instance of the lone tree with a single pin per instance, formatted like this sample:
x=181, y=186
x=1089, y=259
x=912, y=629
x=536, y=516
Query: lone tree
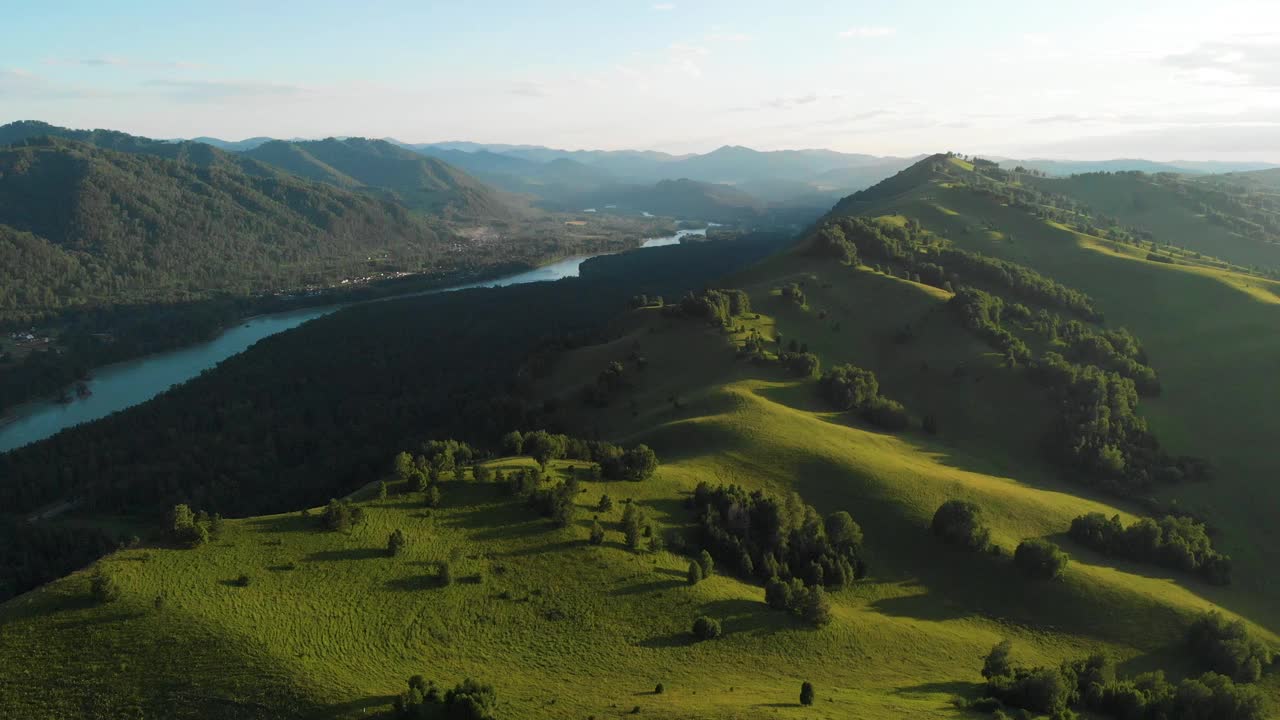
x=397, y=543
x=706, y=628
x=806, y=693
x=597, y=533
x=1040, y=559
x=959, y=522
x=695, y=573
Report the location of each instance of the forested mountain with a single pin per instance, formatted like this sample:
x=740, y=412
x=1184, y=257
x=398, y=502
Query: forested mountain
x=421, y=183
x=86, y=225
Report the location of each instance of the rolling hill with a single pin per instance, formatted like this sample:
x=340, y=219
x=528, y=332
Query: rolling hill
x=85, y=225
x=419, y=182
x=561, y=625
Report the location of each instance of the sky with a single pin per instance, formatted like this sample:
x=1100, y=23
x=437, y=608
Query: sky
x=1086, y=79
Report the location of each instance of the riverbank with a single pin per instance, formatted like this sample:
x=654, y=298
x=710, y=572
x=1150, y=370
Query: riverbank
x=123, y=384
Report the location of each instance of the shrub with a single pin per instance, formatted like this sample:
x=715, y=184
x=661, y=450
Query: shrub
x=1040, y=559
x=445, y=574
x=341, y=516
x=885, y=413
x=806, y=693
x=659, y=689
x=706, y=628
x=605, y=505
x=959, y=522
x=848, y=387
x=243, y=580
x=597, y=533
x=397, y=543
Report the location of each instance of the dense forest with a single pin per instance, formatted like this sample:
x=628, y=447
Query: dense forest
x=311, y=413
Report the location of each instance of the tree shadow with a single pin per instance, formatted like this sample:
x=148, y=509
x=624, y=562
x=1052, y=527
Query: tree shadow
x=648, y=587
x=415, y=583
x=349, y=708
x=284, y=523
x=747, y=616
x=347, y=554
x=953, y=687
x=116, y=616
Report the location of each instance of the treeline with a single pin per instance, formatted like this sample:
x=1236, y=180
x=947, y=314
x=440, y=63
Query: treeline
x=785, y=543
x=930, y=259
x=32, y=554
x=1092, y=684
x=1180, y=543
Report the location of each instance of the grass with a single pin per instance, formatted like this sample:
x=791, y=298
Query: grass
x=331, y=627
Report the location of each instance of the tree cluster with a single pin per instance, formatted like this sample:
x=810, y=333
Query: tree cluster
x=757, y=535
x=468, y=700
x=1091, y=684
x=1180, y=543
x=1227, y=647
x=959, y=523
x=848, y=387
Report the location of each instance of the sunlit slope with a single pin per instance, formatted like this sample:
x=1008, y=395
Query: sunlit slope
x=1213, y=337
x=1137, y=200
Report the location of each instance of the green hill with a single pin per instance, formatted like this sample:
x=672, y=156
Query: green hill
x=420, y=182
x=967, y=284
x=83, y=225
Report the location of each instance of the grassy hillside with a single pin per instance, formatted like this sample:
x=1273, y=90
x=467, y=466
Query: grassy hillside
x=1165, y=208
x=328, y=626
x=1208, y=332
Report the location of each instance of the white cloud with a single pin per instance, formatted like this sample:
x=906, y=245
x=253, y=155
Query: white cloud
x=867, y=31
x=116, y=61
x=663, y=7
x=1241, y=61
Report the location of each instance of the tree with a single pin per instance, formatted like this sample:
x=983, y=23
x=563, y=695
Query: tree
x=1040, y=559
x=694, y=575
x=848, y=387
x=806, y=693
x=431, y=498
x=597, y=533
x=482, y=473
x=707, y=564
x=403, y=468
x=842, y=531
x=777, y=594
x=605, y=505
x=706, y=628
x=997, y=662
x=817, y=606
x=103, y=587
x=397, y=543
x=445, y=576
x=382, y=490
x=513, y=443
x=959, y=522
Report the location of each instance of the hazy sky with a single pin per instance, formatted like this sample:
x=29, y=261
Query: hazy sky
x=1173, y=79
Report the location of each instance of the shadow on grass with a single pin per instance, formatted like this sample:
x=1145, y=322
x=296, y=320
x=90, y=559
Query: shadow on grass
x=348, y=554
x=379, y=703
x=925, y=605
x=416, y=583
x=118, y=616
x=954, y=687
x=648, y=587
x=285, y=524
x=747, y=616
